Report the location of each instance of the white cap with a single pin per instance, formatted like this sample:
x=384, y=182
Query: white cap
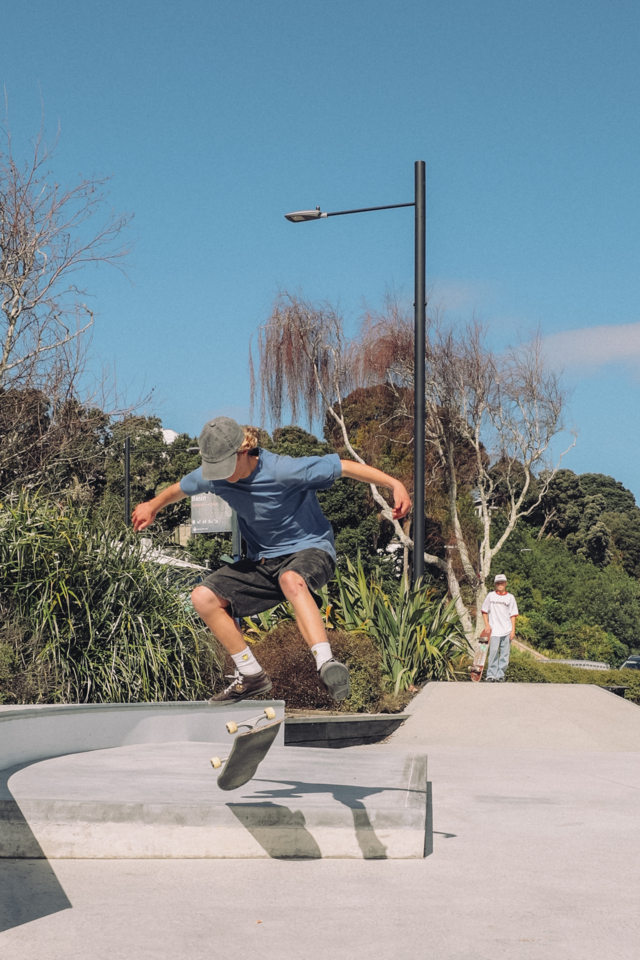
x=500, y=578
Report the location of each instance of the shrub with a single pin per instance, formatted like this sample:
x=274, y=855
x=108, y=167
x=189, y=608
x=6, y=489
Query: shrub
x=92, y=621
x=524, y=669
x=285, y=656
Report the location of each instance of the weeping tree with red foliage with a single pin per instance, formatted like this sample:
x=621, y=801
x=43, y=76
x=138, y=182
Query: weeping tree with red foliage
x=490, y=419
x=307, y=366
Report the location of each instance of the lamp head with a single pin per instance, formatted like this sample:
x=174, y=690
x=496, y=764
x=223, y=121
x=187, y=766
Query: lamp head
x=299, y=215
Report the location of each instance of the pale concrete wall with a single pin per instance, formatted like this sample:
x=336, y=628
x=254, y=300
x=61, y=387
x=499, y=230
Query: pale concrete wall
x=36, y=732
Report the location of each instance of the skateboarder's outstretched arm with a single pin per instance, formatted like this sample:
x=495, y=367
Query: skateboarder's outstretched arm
x=360, y=471
x=145, y=513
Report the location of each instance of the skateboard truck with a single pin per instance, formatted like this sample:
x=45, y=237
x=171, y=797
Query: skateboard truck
x=232, y=727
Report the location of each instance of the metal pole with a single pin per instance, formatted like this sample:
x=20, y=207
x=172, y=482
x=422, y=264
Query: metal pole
x=236, y=546
x=419, y=372
x=127, y=481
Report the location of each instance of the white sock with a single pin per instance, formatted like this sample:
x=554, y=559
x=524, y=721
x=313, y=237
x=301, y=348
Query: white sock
x=322, y=653
x=246, y=662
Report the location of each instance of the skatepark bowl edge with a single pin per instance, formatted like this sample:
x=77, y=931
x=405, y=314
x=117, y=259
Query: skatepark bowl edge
x=134, y=781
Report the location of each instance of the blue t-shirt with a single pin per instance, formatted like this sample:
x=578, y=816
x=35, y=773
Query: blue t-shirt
x=277, y=507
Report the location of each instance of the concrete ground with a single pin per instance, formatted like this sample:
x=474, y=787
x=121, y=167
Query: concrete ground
x=534, y=852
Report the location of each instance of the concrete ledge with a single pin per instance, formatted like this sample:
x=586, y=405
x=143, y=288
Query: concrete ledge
x=160, y=800
x=35, y=732
x=338, y=732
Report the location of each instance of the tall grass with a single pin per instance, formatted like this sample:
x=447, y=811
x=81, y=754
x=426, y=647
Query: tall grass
x=94, y=620
x=419, y=637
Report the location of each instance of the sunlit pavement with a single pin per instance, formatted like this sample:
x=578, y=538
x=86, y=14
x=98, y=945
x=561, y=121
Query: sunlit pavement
x=532, y=852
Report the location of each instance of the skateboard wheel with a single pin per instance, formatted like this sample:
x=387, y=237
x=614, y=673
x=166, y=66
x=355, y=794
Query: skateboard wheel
x=216, y=762
x=232, y=727
x=270, y=713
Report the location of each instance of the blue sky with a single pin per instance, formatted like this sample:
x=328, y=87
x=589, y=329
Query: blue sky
x=215, y=119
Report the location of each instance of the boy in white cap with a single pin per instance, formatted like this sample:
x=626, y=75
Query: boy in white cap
x=500, y=612
x=290, y=547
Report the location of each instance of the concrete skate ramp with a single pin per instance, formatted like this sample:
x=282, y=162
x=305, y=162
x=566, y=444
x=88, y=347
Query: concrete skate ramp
x=160, y=800
x=535, y=716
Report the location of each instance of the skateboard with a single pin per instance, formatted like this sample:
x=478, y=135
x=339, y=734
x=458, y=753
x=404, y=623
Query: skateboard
x=248, y=751
x=477, y=667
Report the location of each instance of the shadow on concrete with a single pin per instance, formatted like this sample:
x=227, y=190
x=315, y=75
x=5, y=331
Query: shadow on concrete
x=29, y=889
x=428, y=825
x=281, y=832
x=352, y=797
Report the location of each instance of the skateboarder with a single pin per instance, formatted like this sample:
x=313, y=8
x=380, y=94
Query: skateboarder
x=500, y=612
x=290, y=547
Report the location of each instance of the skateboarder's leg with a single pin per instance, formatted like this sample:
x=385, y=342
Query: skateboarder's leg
x=304, y=606
x=215, y=611
x=333, y=674
x=249, y=679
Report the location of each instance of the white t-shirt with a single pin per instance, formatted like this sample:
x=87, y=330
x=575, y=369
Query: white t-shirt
x=500, y=610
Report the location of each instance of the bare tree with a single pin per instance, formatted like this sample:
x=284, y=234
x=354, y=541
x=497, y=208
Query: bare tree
x=504, y=411
x=48, y=234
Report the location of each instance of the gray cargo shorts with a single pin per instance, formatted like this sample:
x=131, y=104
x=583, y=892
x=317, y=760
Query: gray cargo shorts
x=252, y=586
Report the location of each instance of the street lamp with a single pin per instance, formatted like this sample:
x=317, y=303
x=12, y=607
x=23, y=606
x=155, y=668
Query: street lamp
x=300, y=216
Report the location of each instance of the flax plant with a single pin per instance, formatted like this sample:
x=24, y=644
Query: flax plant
x=101, y=623
x=419, y=637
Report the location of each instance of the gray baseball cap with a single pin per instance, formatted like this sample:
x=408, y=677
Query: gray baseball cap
x=219, y=442
x=499, y=579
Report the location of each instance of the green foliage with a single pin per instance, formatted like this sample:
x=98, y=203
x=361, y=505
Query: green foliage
x=379, y=431
x=154, y=466
x=617, y=499
x=8, y=670
x=524, y=669
x=595, y=515
x=82, y=609
x=418, y=636
x=584, y=641
x=209, y=548
x=561, y=593
x=52, y=446
x=259, y=625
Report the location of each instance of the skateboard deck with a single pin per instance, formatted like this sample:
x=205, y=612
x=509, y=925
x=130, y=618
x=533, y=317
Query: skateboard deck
x=477, y=667
x=248, y=751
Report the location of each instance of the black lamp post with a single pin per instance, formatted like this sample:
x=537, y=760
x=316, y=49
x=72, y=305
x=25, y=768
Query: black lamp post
x=127, y=481
x=419, y=203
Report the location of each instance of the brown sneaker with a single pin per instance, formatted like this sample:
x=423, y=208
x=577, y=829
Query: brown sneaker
x=242, y=687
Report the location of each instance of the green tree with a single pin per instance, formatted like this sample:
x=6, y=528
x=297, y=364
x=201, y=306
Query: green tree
x=559, y=592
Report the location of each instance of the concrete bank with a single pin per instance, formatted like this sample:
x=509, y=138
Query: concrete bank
x=520, y=716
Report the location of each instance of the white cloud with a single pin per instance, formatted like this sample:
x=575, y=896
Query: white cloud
x=595, y=346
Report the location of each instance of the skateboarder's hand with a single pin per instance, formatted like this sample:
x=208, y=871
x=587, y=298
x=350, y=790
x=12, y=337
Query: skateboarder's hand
x=143, y=516
x=402, y=502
